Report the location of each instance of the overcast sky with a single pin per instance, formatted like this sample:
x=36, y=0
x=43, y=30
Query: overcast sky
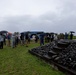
x=38, y=15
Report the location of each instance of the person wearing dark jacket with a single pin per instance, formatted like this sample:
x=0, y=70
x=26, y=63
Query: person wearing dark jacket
x=22, y=39
x=41, y=39
x=36, y=38
x=26, y=39
x=1, y=41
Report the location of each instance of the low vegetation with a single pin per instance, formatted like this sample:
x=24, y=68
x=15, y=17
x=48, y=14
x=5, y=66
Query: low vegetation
x=18, y=61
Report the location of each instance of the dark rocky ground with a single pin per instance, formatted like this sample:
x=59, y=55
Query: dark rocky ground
x=61, y=53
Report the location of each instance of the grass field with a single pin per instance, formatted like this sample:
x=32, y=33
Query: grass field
x=74, y=37
x=18, y=61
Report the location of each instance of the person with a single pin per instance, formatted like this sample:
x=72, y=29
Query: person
x=33, y=38
x=36, y=38
x=71, y=36
x=66, y=35
x=41, y=39
x=1, y=41
x=48, y=38
x=13, y=41
x=29, y=38
x=22, y=39
x=52, y=37
x=4, y=39
x=16, y=39
x=55, y=38
x=8, y=39
x=26, y=39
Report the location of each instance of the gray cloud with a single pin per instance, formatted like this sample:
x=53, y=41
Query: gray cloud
x=62, y=20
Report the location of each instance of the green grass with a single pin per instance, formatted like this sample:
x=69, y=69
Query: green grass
x=74, y=37
x=19, y=61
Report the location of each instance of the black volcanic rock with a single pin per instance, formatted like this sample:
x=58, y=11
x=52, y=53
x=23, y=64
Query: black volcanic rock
x=63, y=53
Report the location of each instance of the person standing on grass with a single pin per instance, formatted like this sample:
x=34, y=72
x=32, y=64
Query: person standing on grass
x=22, y=39
x=66, y=35
x=71, y=36
x=41, y=39
x=26, y=39
x=16, y=40
x=8, y=39
x=52, y=37
x=13, y=41
x=1, y=41
x=36, y=38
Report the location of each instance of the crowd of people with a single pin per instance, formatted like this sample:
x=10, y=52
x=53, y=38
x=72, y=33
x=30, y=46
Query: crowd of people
x=24, y=39
x=12, y=40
